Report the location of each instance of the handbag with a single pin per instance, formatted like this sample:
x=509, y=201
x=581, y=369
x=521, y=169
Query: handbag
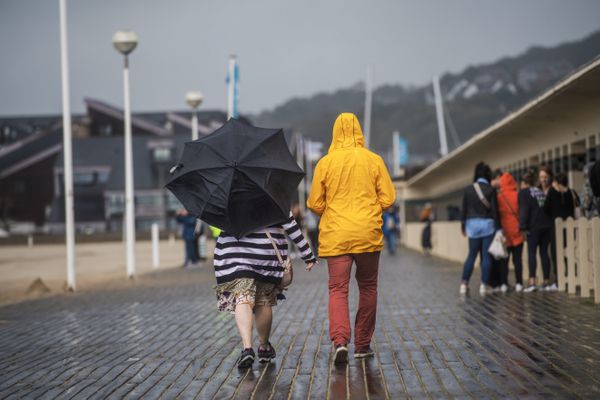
x=288, y=271
x=498, y=246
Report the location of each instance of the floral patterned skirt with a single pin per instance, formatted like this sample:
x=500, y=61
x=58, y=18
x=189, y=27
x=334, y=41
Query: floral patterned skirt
x=245, y=291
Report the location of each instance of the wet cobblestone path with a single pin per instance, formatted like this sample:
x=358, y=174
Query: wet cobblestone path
x=169, y=342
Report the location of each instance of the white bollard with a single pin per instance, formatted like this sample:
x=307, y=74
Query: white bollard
x=202, y=250
x=155, y=246
x=30, y=241
x=171, y=239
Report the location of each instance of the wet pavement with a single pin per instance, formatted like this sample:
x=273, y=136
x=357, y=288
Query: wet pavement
x=166, y=340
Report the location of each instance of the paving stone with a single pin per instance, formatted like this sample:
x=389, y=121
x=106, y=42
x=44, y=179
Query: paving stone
x=169, y=342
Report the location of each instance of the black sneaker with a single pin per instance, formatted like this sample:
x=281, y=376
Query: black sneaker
x=266, y=355
x=341, y=354
x=363, y=353
x=246, y=358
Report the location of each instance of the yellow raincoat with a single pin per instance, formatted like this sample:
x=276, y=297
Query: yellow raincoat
x=350, y=188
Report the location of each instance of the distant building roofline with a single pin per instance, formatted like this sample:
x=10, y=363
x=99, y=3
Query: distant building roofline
x=511, y=118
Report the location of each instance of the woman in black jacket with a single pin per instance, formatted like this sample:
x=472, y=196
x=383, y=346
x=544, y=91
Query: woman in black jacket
x=561, y=202
x=479, y=223
x=537, y=225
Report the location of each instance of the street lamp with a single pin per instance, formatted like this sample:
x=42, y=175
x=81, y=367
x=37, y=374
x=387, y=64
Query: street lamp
x=67, y=149
x=194, y=99
x=125, y=42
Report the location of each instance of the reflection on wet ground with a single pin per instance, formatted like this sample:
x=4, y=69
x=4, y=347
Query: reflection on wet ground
x=169, y=342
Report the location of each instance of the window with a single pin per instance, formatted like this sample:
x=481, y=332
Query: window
x=84, y=178
x=162, y=154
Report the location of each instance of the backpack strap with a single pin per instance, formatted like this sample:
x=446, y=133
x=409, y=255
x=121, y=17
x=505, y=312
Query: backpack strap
x=275, y=248
x=508, y=204
x=485, y=201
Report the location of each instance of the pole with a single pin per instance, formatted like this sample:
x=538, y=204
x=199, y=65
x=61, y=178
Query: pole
x=67, y=150
x=194, y=124
x=439, y=111
x=368, y=102
x=396, y=153
x=155, y=246
x=231, y=88
x=309, y=166
x=300, y=161
x=129, y=196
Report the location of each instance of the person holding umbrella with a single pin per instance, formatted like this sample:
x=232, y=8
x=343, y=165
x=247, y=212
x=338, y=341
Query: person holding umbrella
x=350, y=189
x=241, y=179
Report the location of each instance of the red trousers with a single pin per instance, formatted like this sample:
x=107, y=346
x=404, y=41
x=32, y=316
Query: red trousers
x=340, y=267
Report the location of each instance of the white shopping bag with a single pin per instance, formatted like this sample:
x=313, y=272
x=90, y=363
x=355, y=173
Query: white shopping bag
x=498, y=247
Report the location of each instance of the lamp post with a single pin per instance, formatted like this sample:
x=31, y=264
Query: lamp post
x=125, y=42
x=67, y=151
x=194, y=99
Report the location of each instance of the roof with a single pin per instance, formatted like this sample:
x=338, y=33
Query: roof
x=581, y=89
x=109, y=152
x=28, y=151
x=116, y=113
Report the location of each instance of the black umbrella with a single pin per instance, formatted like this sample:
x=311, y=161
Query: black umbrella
x=239, y=178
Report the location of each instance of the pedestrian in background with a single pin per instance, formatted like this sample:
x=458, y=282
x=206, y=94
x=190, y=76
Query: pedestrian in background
x=188, y=234
x=561, y=202
x=479, y=223
x=590, y=202
x=508, y=214
x=537, y=226
x=312, y=230
x=350, y=189
x=545, y=178
x=391, y=225
x=427, y=216
x=495, y=272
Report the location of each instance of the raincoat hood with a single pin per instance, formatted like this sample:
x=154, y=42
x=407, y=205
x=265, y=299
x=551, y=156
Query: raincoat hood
x=347, y=133
x=508, y=183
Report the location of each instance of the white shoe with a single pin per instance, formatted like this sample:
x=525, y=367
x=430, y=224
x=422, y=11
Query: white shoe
x=191, y=266
x=504, y=288
x=483, y=289
x=529, y=289
x=552, y=288
x=463, y=288
x=518, y=288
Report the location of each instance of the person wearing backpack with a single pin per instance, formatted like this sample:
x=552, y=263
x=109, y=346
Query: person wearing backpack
x=508, y=214
x=479, y=222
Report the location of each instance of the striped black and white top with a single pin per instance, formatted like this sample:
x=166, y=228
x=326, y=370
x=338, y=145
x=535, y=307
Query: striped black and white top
x=253, y=255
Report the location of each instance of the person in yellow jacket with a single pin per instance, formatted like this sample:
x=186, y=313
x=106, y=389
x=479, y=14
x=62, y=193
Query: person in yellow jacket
x=350, y=189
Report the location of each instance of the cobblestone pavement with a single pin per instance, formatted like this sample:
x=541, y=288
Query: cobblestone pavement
x=169, y=342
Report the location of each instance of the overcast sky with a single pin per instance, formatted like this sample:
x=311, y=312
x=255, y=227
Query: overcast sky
x=285, y=48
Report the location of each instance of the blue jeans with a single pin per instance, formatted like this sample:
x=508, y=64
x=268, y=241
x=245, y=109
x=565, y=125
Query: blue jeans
x=479, y=246
x=539, y=239
x=191, y=251
x=390, y=239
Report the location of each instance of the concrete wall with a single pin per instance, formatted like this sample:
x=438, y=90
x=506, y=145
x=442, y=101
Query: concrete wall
x=446, y=239
x=449, y=243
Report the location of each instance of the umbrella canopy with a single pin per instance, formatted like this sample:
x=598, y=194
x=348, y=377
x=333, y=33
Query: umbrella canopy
x=239, y=178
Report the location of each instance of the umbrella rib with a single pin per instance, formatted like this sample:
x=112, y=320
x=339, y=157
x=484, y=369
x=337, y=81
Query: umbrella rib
x=267, y=193
x=275, y=132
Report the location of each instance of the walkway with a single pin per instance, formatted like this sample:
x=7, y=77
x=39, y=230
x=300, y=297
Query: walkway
x=164, y=339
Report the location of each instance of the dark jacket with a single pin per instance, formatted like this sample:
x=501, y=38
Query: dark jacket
x=561, y=205
x=532, y=216
x=473, y=207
